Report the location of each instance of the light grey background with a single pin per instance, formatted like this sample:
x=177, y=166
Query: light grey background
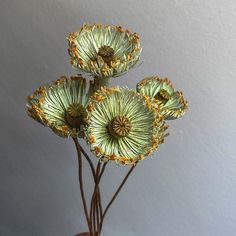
x=189, y=188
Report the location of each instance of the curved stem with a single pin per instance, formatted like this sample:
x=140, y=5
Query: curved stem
x=92, y=203
x=100, y=204
x=97, y=214
x=89, y=161
x=95, y=179
x=115, y=195
x=81, y=182
x=99, y=201
x=99, y=195
x=96, y=205
x=95, y=221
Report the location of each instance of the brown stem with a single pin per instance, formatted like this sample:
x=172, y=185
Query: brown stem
x=96, y=205
x=97, y=215
x=81, y=182
x=98, y=195
x=89, y=161
x=94, y=177
x=116, y=194
x=94, y=220
x=97, y=180
x=100, y=206
x=93, y=200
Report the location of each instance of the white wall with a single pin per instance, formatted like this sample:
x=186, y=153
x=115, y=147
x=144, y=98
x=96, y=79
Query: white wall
x=189, y=188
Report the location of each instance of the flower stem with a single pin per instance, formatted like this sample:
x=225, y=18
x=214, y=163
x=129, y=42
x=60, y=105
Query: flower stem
x=115, y=195
x=89, y=161
x=96, y=217
x=93, y=201
x=81, y=183
x=96, y=205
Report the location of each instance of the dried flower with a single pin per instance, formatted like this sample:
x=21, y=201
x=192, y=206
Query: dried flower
x=171, y=103
x=123, y=126
x=103, y=50
x=61, y=106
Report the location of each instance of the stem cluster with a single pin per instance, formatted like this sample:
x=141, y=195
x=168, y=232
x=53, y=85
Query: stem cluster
x=95, y=214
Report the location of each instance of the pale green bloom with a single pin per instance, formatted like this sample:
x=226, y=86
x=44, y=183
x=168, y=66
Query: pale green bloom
x=123, y=125
x=104, y=50
x=171, y=103
x=61, y=106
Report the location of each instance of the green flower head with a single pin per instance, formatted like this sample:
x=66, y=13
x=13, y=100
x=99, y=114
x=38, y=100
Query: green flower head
x=172, y=103
x=123, y=125
x=104, y=50
x=61, y=106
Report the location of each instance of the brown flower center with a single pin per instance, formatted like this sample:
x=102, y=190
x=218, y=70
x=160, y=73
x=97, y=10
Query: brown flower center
x=119, y=126
x=107, y=54
x=75, y=114
x=163, y=96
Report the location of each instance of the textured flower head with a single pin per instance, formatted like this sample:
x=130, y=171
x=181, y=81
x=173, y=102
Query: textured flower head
x=123, y=125
x=61, y=106
x=104, y=50
x=172, y=103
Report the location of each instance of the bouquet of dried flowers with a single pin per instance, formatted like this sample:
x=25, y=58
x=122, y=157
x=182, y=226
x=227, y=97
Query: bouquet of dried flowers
x=120, y=125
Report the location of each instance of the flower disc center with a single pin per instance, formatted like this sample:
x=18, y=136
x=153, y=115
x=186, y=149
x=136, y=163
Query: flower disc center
x=120, y=126
x=75, y=114
x=107, y=54
x=163, y=96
